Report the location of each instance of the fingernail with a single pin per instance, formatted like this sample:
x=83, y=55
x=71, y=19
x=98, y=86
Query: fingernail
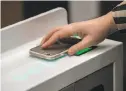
x=70, y=53
x=43, y=45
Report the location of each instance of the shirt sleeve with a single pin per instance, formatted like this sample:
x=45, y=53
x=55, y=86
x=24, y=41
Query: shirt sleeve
x=119, y=15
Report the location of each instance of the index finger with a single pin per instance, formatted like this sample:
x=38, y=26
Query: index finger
x=58, y=35
x=49, y=35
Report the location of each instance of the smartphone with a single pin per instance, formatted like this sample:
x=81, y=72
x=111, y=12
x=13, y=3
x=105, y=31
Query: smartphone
x=55, y=51
x=58, y=49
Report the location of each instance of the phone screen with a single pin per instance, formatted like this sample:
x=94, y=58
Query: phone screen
x=60, y=46
x=52, y=50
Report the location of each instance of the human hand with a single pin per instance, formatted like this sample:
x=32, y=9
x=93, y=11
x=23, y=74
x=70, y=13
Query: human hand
x=92, y=32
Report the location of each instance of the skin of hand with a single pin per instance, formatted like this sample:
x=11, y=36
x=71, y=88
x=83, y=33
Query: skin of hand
x=92, y=32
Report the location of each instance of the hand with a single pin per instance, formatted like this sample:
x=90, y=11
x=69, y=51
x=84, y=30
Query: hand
x=92, y=32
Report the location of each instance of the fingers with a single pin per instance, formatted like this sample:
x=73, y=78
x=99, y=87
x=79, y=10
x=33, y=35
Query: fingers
x=86, y=42
x=49, y=35
x=57, y=35
x=51, y=40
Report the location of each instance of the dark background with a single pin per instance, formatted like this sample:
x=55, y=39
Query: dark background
x=36, y=7
x=23, y=10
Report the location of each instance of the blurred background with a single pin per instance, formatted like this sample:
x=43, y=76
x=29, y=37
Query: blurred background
x=15, y=11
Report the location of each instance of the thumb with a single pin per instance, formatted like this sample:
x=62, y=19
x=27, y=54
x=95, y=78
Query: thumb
x=86, y=42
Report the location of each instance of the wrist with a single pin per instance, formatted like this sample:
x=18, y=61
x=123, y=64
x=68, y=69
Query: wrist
x=110, y=23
